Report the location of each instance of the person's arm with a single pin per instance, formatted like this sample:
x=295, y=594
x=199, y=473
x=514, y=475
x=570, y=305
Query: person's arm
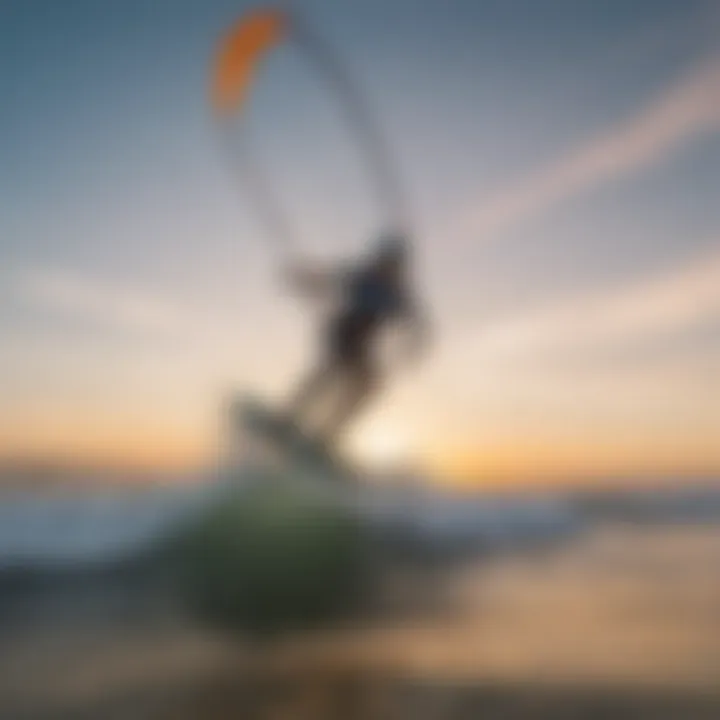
x=312, y=281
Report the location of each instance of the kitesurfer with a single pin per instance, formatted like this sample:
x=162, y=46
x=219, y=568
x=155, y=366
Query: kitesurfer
x=368, y=298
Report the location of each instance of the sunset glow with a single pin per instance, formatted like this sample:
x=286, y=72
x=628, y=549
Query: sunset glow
x=563, y=171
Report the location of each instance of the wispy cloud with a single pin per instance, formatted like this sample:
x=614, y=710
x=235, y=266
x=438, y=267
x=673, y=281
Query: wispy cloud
x=100, y=302
x=688, y=297
x=688, y=108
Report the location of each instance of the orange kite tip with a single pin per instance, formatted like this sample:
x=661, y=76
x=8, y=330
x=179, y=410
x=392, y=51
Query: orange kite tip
x=239, y=53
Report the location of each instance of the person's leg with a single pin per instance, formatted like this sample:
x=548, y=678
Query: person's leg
x=315, y=386
x=358, y=385
x=311, y=391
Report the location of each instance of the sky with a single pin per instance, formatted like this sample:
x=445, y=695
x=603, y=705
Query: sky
x=560, y=161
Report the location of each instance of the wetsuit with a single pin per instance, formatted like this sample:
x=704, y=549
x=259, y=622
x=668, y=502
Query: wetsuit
x=369, y=302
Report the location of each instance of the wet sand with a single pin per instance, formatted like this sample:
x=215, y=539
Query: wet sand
x=620, y=623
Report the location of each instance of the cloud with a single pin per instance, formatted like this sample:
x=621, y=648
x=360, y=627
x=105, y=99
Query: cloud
x=688, y=108
x=688, y=297
x=101, y=302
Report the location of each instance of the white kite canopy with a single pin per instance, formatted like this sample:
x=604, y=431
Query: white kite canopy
x=239, y=55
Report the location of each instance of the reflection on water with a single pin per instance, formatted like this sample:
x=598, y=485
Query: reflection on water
x=624, y=618
x=621, y=605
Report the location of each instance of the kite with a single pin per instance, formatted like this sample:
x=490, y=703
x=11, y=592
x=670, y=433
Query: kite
x=240, y=54
x=238, y=58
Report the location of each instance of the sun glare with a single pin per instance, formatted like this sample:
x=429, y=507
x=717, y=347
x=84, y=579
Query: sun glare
x=382, y=446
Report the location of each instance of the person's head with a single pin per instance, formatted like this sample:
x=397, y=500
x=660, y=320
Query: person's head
x=390, y=255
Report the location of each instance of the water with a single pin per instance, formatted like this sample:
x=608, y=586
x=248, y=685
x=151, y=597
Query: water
x=569, y=605
x=93, y=527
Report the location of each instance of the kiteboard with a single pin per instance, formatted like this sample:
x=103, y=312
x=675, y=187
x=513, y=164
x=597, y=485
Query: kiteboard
x=287, y=438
